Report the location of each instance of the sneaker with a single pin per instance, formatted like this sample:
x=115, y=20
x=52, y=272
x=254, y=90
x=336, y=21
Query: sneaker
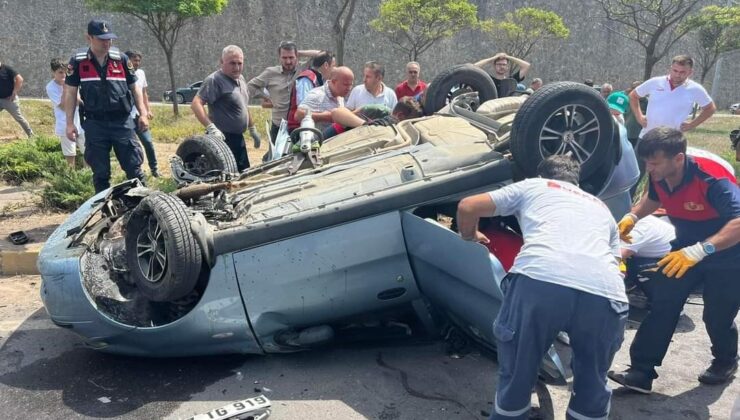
x=718, y=373
x=633, y=379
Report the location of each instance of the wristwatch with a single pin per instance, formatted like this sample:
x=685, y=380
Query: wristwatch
x=708, y=247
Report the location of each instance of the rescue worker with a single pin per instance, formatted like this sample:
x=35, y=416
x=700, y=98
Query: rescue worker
x=703, y=203
x=107, y=85
x=584, y=296
x=308, y=79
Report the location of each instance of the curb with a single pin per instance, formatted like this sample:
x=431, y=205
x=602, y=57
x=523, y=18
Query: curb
x=21, y=261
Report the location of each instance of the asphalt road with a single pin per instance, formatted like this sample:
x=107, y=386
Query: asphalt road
x=45, y=373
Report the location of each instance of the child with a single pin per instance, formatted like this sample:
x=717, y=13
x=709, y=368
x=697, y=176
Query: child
x=54, y=90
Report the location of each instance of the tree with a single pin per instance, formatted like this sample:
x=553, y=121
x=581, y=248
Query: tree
x=341, y=25
x=716, y=31
x=413, y=26
x=653, y=24
x=520, y=31
x=164, y=18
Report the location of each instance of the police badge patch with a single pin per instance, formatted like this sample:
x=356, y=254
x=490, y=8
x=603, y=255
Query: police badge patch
x=70, y=70
x=130, y=66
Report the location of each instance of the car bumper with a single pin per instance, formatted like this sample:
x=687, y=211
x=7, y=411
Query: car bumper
x=216, y=325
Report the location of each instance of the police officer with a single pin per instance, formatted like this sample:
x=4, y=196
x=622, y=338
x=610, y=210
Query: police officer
x=703, y=204
x=107, y=84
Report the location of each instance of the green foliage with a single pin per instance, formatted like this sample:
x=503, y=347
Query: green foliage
x=413, y=26
x=655, y=25
x=182, y=9
x=67, y=189
x=716, y=31
x=27, y=160
x=522, y=30
x=164, y=18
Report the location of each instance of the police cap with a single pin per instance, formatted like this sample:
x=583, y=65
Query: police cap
x=100, y=29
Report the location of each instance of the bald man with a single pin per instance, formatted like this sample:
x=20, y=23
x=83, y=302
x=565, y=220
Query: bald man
x=323, y=99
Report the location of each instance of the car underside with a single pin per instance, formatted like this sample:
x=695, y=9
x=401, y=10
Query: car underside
x=291, y=255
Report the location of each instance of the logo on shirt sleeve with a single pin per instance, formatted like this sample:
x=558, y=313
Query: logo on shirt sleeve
x=70, y=69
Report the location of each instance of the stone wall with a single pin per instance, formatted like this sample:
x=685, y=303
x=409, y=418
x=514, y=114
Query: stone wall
x=34, y=31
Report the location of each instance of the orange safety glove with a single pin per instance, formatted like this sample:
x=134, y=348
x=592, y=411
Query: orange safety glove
x=625, y=227
x=677, y=263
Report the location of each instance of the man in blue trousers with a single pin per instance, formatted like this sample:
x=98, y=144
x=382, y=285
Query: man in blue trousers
x=565, y=278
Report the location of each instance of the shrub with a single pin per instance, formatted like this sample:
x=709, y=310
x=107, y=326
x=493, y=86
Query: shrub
x=26, y=160
x=67, y=189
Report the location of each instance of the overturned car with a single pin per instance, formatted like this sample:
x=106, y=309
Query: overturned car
x=283, y=258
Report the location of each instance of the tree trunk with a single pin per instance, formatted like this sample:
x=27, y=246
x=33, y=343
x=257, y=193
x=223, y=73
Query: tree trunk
x=171, y=69
x=650, y=61
x=340, y=50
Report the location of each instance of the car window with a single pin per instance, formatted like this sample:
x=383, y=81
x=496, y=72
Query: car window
x=196, y=85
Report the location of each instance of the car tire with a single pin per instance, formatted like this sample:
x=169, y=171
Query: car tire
x=458, y=79
x=180, y=98
x=162, y=254
x=541, y=128
x=202, y=155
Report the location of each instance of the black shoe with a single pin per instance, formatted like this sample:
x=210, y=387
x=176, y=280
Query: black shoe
x=155, y=173
x=718, y=373
x=633, y=379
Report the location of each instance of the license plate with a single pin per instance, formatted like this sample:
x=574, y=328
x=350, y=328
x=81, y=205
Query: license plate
x=250, y=405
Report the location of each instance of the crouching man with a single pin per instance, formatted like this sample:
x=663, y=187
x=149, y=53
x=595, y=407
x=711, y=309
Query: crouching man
x=566, y=278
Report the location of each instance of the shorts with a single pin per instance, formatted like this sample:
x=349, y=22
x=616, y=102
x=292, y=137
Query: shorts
x=68, y=147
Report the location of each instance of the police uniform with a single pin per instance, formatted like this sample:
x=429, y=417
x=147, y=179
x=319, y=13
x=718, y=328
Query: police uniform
x=705, y=201
x=107, y=113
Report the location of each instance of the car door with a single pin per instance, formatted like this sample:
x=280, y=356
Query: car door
x=463, y=281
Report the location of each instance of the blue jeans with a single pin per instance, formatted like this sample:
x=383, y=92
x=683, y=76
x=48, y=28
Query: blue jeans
x=146, y=141
x=532, y=314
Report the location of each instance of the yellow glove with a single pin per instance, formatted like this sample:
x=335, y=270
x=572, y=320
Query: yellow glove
x=678, y=262
x=625, y=227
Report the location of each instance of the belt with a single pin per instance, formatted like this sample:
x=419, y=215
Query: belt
x=110, y=116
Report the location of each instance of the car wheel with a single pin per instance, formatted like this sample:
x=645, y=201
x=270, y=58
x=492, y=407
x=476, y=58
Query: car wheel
x=561, y=118
x=161, y=252
x=455, y=81
x=202, y=155
x=180, y=98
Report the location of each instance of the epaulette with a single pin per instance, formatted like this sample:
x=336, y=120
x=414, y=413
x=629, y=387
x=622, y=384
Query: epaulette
x=114, y=54
x=81, y=54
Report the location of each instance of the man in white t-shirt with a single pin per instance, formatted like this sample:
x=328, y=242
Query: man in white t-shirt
x=54, y=90
x=373, y=90
x=565, y=278
x=651, y=241
x=672, y=98
x=145, y=137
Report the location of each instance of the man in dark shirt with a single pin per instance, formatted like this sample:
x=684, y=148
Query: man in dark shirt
x=10, y=85
x=502, y=70
x=703, y=203
x=106, y=82
x=225, y=93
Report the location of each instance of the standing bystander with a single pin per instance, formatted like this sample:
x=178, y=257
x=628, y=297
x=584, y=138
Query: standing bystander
x=373, y=90
x=273, y=86
x=10, y=86
x=106, y=82
x=672, y=98
x=584, y=297
x=606, y=89
x=413, y=86
x=55, y=90
x=703, y=203
x=144, y=136
x=225, y=93
x=502, y=70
